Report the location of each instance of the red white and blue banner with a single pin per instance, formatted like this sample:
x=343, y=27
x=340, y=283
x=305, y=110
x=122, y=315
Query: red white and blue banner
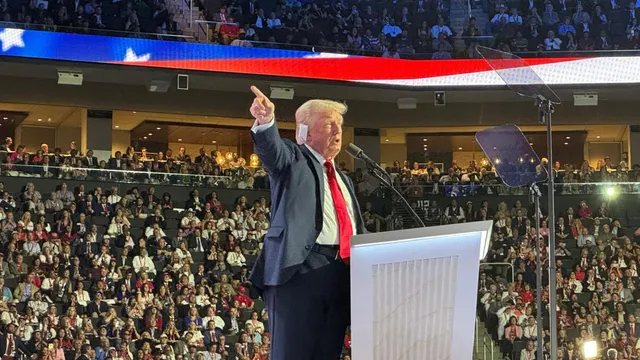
x=307, y=65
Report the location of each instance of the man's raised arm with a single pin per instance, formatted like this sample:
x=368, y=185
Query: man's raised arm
x=273, y=152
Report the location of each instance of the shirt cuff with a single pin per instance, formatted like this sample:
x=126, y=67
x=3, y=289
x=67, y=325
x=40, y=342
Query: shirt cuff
x=256, y=128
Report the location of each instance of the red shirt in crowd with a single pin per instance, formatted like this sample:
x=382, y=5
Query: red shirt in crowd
x=230, y=30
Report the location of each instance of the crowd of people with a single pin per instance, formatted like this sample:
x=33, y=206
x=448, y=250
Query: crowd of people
x=215, y=169
x=418, y=29
x=428, y=179
x=564, y=25
x=597, y=286
x=115, y=18
x=390, y=29
x=93, y=274
x=139, y=275
x=206, y=169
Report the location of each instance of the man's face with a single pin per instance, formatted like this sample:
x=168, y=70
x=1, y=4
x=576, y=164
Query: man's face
x=325, y=134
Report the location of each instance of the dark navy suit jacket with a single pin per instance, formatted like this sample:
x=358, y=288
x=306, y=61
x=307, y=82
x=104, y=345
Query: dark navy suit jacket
x=297, y=191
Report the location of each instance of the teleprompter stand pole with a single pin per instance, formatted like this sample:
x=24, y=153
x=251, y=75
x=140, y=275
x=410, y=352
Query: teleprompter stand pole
x=545, y=111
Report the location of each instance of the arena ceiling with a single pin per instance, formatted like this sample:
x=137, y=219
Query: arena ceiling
x=211, y=96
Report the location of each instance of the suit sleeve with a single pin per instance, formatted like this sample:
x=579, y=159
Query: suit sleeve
x=275, y=154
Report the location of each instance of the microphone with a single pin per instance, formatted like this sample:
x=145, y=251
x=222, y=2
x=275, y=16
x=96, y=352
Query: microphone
x=357, y=153
x=385, y=179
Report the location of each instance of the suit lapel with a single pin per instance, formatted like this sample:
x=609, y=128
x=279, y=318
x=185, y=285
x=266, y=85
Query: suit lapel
x=357, y=214
x=318, y=173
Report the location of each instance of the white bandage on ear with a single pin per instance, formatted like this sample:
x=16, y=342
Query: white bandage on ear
x=301, y=133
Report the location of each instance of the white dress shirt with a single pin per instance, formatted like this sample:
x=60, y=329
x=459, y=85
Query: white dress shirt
x=113, y=199
x=82, y=297
x=219, y=322
x=329, y=234
x=437, y=29
x=235, y=259
x=140, y=262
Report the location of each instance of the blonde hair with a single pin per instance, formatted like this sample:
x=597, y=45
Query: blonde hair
x=307, y=112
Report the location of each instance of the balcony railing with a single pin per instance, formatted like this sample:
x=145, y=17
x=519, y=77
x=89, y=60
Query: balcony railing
x=234, y=178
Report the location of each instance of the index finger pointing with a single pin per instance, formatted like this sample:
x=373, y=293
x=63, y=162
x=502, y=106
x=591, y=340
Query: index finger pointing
x=257, y=92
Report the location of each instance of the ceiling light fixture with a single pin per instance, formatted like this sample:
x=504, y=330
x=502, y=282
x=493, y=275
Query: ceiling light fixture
x=598, y=137
x=568, y=137
x=179, y=139
x=135, y=112
x=459, y=148
x=5, y=118
x=150, y=134
x=566, y=143
x=213, y=141
x=49, y=119
x=117, y=126
x=145, y=138
x=157, y=128
x=39, y=119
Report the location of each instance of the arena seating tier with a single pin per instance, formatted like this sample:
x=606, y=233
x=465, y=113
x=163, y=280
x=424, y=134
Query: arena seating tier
x=168, y=253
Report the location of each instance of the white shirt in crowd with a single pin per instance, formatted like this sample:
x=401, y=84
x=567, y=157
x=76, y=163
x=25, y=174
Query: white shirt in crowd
x=498, y=17
x=236, y=259
x=437, y=29
x=393, y=30
x=143, y=261
x=114, y=199
x=552, y=44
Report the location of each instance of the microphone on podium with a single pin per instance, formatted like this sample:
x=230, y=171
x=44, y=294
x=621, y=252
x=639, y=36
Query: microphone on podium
x=357, y=153
x=372, y=166
x=385, y=179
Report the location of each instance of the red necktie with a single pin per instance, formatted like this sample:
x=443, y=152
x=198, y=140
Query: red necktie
x=10, y=345
x=345, y=228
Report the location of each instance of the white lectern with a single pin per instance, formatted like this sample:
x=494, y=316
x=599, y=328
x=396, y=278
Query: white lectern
x=414, y=291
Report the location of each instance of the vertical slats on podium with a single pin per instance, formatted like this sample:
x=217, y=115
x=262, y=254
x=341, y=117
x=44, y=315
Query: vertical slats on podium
x=409, y=321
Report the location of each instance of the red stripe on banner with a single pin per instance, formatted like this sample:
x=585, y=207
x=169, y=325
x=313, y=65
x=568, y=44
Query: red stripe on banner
x=341, y=69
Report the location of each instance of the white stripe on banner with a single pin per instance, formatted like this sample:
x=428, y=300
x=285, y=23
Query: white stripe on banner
x=589, y=71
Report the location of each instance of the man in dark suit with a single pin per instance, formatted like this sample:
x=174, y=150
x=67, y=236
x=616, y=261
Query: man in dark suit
x=88, y=206
x=85, y=352
x=149, y=197
x=631, y=328
x=89, y=160
x=11, y=345
x=97, y=308
x=200, y=158
x=115, y=163
x=104, y=208
x=302, y=271
x=197, y=243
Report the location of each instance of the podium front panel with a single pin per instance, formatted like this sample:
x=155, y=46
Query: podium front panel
x=414, y=298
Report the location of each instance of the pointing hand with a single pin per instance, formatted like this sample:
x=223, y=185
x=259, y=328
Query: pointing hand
x=262, y=108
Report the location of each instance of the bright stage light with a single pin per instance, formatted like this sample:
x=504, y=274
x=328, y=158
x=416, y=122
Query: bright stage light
x=610, y=191
x=590, y=349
